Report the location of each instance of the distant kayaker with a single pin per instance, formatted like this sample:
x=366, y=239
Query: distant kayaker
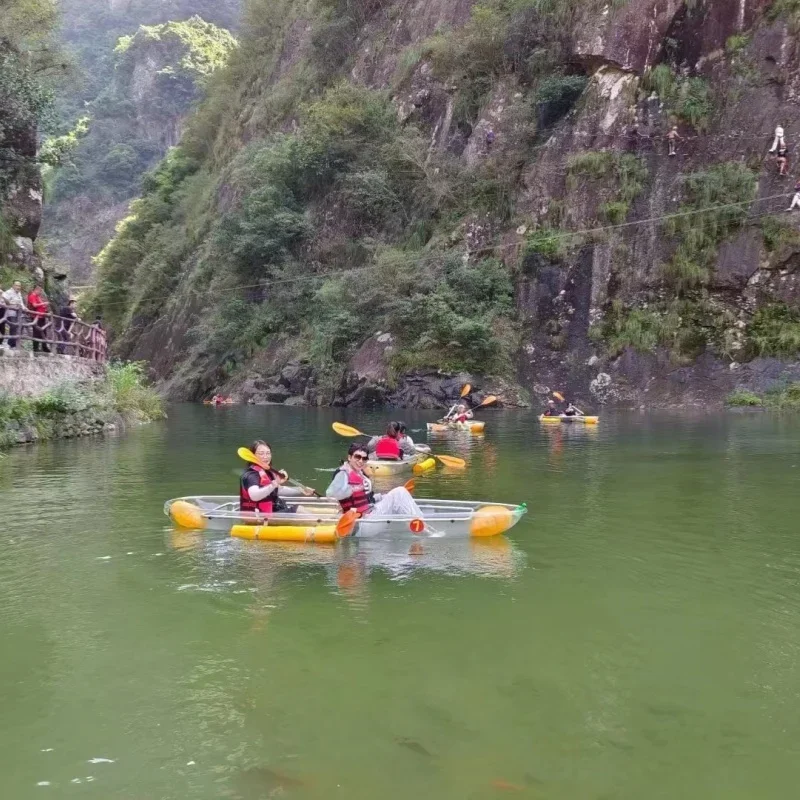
x=390, y=446
x=573, y=411
x=262, y=488
x=353, y=489
x=458, y=413
x=552, y=409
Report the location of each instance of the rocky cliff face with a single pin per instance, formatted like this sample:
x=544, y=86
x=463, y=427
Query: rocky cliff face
x=136, y=97
x=638, y=276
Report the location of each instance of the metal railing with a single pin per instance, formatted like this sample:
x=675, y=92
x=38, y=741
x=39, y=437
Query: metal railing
x=49, y=333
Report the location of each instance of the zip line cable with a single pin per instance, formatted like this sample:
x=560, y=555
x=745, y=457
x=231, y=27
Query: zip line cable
x=554, y=235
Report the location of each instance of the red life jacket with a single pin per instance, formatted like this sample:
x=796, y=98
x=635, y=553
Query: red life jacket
x=263, y=506
x=462, y=418
x=361, y=499
x=388, y=449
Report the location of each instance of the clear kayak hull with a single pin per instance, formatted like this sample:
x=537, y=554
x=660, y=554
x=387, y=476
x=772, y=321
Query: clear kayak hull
x=315, y=520
x=421, y=462
x=471, y=426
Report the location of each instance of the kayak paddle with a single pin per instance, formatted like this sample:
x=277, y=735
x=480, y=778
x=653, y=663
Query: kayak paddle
x=247, y=455
x=486, y=402
x=558, y=396
x=448, y=461
x=347, y=523
x=466, y=390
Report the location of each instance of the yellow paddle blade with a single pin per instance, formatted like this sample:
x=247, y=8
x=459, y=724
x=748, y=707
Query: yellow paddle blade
x=558, y=396
x=247, y=455
x=452, y=461
x=346, y=430
x=345, y=526
x=488, y=401
x=466, y=390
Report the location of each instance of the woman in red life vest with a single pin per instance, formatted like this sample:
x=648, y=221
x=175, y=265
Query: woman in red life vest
x=39, y=307
x=391, y=446
x=262, y=488
x=460, y=414
x=353, y=489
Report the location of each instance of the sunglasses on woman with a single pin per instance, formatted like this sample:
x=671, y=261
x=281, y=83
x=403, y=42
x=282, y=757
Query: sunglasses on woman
x=359, y=457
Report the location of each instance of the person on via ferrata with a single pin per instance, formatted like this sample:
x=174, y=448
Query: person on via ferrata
x=796, y=198
x=779, y=140
x=672, y=137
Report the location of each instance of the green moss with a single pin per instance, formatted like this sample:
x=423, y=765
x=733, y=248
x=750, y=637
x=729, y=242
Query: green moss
x=777, y=232
x=625, y=172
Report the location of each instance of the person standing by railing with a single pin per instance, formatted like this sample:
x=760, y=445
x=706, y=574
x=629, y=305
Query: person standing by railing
x=64, y=327
x=12, y=314
x=39, y=308
x=98, y=340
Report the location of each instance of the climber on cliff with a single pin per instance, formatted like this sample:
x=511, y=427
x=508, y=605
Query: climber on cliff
x=796, y=199
x=779, y=141
x=673, y=137
x=782, y=159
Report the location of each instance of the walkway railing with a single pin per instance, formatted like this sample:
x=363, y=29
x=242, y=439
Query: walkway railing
x=49, y=333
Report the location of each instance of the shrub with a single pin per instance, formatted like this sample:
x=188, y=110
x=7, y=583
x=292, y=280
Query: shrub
x=725, y=190
x=690, y=99
x=129, y=392
x=776, y=232
x=743, y=397
x=775, y=331
x=785, y=396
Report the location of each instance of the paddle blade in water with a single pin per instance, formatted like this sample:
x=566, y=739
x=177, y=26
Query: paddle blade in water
x=346, y=430
x=558, y=396
x=452, y=461
x=346, y=525
x=466, y=390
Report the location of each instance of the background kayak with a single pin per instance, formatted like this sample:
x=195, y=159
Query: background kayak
x=563, y=418
x=472, y=426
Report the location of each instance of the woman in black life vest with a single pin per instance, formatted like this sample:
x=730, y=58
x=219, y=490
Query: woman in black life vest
x=261, y=487
x=353, y=489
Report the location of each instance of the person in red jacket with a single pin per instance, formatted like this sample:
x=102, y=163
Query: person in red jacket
x=392, y=446
x=39, y=307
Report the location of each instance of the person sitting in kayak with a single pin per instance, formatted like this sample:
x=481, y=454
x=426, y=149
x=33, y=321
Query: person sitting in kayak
x=551, y=410
x=353, y=489
x=572, y=411
x=390, y=446
x=459, y=414
x=407, y=444
x=262, y=488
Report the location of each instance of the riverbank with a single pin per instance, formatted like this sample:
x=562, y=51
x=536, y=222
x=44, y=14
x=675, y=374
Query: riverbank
x=109, y=403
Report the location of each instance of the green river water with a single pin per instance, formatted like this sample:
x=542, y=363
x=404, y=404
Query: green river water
x=635, y=636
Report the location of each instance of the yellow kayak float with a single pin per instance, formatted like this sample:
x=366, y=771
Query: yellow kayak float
x=556, y=420
x=422, y=462
x=471, y=426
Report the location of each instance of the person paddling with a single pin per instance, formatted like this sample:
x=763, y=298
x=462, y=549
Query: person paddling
x=573, y=411
x=390, y=446
x=551, y=410
x=459, y=413
x=262, y=488
x=353, y=489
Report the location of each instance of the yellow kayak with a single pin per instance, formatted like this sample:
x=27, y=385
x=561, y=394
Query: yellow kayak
x=471, y=426
x=421, y=462
x=564, y=418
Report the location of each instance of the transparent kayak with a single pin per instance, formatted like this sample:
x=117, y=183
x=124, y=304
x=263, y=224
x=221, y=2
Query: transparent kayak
x=471, y=426
x=315, y=519
x=556, y=419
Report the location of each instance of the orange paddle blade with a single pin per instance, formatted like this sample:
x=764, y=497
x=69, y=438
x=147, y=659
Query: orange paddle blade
x=452, y=461
x=347, y=523
x=410, y=486
x=558, y=396
x=488, y=401
x=466, y=390
x=346, y=430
